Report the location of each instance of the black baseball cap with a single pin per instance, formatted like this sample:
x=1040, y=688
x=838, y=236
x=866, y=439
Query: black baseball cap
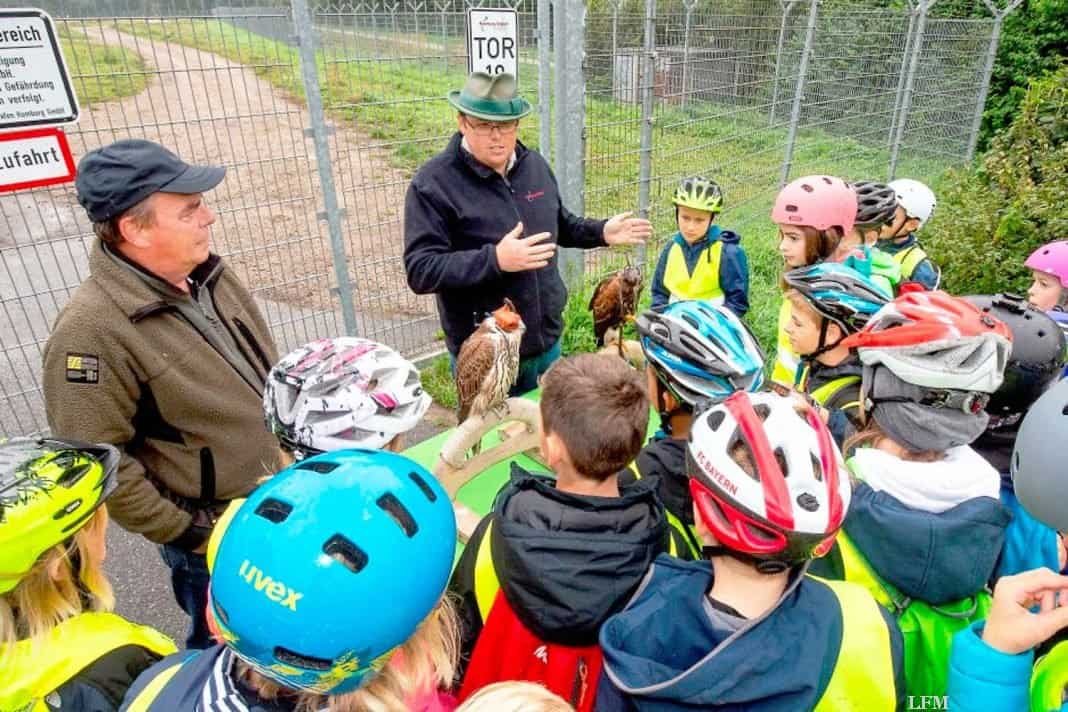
x=113, y=179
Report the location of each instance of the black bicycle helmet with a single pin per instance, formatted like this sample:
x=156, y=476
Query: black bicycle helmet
x=876, y=203
x=1036, y=357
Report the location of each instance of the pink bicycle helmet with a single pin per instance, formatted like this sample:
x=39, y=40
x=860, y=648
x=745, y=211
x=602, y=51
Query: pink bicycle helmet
x=1051, y=258
x=821, y=202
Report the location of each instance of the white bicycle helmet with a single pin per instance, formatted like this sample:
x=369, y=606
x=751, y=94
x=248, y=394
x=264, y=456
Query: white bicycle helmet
x=340, y=393
x=916, y=198
x=789, y=502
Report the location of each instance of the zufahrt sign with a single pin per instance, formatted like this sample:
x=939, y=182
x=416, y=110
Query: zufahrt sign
x=35, y=88
x=493, y=41
x=33, y=159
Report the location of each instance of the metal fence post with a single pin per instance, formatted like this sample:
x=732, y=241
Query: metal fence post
x=319, y=133
x=442, y=7
x=689, y=4
x=545, y=71
x=899, y=93
x=906, y=100
x=616, y=93
x=799, y=90
x=569, y=44
x=988, y=70
x=648, y=82
x=786, y=7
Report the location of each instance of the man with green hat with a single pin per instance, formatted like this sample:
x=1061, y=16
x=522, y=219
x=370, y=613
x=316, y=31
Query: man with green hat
x=483, y=219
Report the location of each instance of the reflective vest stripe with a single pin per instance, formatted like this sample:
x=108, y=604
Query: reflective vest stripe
x=34, y=668
x=145, y=698
x=863, y=677
x=703, y=283
x=830, y=389
x=486, y=582
x=786, y=362
x=1049, y=679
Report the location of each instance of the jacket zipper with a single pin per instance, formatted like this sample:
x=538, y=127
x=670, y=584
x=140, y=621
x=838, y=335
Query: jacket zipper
x=579, y=686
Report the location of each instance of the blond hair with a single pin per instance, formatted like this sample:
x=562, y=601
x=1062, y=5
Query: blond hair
x=65, y=581
x=515, y=697
x=425, y=662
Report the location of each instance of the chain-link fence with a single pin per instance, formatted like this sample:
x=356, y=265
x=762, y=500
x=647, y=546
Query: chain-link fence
x=322, y=113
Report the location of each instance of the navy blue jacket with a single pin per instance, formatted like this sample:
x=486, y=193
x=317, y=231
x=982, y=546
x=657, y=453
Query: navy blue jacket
x=662, y=652
x=455, y=213
x=733, y=268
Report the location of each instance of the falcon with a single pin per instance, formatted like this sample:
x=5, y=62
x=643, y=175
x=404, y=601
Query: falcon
x=488, y=364
x=615, y=301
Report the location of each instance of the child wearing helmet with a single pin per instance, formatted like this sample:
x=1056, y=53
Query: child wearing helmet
x=701, y=260
x=344, y=609
x=876, y=203
x=1017, y=658
x=1035, y=362
x=915, y=205
x=828, y=302
x=695, y=353
x=557, y=556
x=339, y=393
x=769, y=492
x=925, y=526
x=60, y=645
x=813, y=214
x=1049, y=269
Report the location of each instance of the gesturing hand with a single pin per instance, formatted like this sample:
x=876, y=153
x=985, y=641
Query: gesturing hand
x=516, y=254
x=622, y=229
x=1011, y=627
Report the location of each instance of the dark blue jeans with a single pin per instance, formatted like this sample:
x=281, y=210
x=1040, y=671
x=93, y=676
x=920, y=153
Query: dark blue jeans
x=530, y=369
x=189, y=580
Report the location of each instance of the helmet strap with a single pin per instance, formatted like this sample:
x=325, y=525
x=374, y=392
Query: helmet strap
x=661, y=406
x=822, y=346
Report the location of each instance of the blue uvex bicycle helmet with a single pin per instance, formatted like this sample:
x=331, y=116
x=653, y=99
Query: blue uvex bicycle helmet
x=329, y=566
x=701, y=351
x=839, y=293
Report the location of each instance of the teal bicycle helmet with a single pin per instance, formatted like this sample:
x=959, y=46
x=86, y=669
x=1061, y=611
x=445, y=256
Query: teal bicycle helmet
x=329, y=566
x=701, y=351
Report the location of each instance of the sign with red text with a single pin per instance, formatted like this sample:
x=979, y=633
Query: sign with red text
x=34, y=158
x=35, y=87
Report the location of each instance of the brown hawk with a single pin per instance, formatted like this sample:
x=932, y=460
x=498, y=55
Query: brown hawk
x=614, y=301
x=488, y=363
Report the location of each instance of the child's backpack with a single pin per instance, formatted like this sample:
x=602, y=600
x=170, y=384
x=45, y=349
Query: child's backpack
x=508, y=650
x=927, y=629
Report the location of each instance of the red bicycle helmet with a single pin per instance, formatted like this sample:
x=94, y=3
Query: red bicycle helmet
x=936, y=340
x=789, y=508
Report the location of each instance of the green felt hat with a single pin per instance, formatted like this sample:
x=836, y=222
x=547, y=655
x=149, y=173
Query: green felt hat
x=490, y=98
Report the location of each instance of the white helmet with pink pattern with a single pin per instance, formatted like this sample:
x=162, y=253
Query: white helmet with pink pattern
x=344, y=392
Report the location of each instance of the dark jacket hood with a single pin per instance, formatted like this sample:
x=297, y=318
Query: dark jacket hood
x=937, y=558
x=663, y=653
x=567, y=562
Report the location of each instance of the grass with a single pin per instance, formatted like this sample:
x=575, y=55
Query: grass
x=101, y=72
x=382, y=87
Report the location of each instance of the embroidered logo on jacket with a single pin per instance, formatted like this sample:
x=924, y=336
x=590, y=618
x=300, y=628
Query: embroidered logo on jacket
x=83, y=368
x=534, y=195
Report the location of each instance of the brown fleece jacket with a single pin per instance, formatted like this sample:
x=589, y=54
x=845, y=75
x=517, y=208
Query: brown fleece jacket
x=126, y=364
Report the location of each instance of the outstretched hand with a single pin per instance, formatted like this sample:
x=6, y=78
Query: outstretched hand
x=517, y=254
x=623, y=229
x=1011, y=626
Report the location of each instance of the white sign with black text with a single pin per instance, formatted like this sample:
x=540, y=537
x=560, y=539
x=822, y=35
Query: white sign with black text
x=493, y=41
x=35, y=87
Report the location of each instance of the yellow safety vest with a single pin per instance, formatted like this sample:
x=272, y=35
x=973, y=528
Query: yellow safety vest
x=703, y=283
x=486, y=582
x=688, y=533
x=786, y=361
x=31, y=670
x=909, y=259
x=863, y=677
x=1049, y=679
x=825, y=394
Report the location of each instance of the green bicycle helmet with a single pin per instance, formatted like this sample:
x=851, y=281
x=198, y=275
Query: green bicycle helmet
x=700, y=194
x=49, y=489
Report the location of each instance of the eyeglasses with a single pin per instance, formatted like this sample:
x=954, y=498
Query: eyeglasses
x=485, y=128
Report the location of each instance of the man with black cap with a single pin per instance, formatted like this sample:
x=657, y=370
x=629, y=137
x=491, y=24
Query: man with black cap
x=483, y=219
x=163, y=353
